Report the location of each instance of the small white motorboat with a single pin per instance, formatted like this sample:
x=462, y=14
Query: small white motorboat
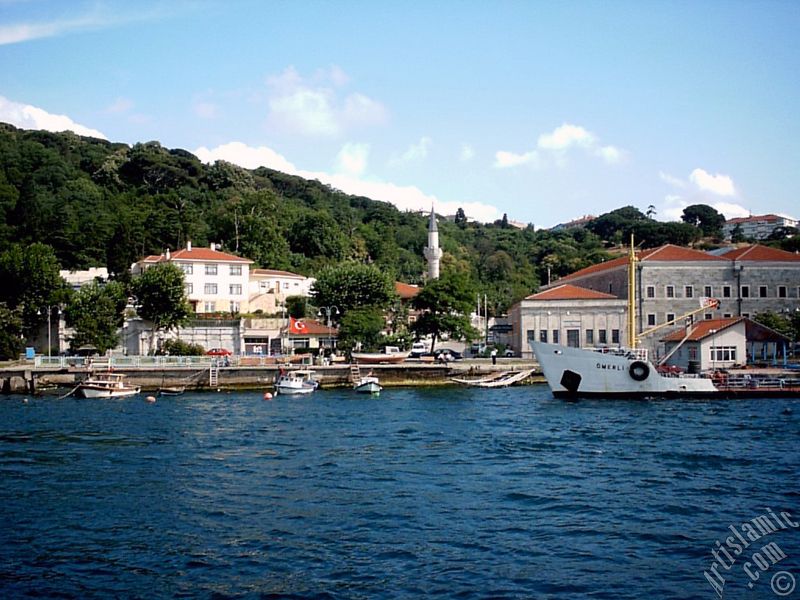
x=296, y=382
x=368, y=385
x=106, y=385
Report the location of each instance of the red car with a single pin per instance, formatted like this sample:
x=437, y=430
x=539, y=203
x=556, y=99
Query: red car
x=219, y=352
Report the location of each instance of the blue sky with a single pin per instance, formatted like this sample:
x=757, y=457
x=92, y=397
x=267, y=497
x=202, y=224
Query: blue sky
x=545, y=111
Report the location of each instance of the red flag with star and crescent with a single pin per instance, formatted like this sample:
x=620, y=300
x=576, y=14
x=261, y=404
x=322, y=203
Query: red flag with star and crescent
x=297, y=326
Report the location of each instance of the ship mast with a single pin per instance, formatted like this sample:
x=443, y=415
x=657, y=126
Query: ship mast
x=632, y=339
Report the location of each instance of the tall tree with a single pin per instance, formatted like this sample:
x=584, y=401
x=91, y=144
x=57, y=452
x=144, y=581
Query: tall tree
x=161, y=298
x=350, y=285
x=96, y=314
x=11, y=332
x=445, y=305
x=705, y=217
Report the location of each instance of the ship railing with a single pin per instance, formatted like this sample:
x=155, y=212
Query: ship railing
x=631, y=353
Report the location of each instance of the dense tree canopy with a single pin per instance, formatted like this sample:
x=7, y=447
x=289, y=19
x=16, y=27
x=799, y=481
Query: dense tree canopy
x=99, y=203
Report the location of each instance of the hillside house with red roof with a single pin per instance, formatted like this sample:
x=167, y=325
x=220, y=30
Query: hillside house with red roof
x=215, y=281
x=757, y=227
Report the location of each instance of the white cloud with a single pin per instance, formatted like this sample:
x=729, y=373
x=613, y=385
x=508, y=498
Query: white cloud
x=722, y=185
x=672, y=180
x=314, y=106
x=352, y=158
x=505, y=160
x=246, y=156
x=99, y=16
x=26, y=116
x=610, y=154
x=305, y=111
x=360, y=110
x=414, y=152
x=552, y=149
x=403, y=197
x=566, y=136
x=467, y=152
x=672, y=208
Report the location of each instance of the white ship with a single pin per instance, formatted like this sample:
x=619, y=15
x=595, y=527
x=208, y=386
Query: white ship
x=613, y=373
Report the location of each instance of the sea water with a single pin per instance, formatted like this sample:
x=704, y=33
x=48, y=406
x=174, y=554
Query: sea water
x=451, y=492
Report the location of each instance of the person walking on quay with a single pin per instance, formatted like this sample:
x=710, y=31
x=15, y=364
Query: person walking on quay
x=494, y=356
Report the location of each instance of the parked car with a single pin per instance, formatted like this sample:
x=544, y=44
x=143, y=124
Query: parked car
x=418, y=349
x=448, y=353
x=219, y=352
x=509, y=353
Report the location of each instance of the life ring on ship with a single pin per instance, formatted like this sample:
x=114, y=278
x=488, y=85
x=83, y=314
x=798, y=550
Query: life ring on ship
x=639, y=371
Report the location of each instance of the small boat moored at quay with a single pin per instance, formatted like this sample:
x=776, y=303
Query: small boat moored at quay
x=293, y=383
x=106, y=385
x=369, y=384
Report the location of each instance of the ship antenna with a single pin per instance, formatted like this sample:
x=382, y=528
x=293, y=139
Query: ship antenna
x=632, y=341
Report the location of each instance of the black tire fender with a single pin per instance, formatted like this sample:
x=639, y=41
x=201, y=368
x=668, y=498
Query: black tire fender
x=639, y=371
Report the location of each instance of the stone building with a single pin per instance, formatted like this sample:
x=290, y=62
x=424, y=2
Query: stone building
x=672, y=281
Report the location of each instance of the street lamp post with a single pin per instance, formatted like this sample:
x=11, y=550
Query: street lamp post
x=49, y=327
x=328, y=310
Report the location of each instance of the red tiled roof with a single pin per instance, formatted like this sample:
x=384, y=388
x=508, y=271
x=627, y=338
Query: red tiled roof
x=703, y=329
x=405, y=290
x=757, y=252
x=275, y=273
x=666, y=253
x=571, y=292
x=205, y=254
x=752, y=219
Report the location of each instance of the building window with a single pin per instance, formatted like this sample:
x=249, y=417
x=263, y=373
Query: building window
x=651, y=320
x=723, y=353
x=555, y=336
x=762, y=291
x=211, y=269
x=611, y=287
x=781, y=291
x=234, y=307
x=708, y=316
x=210, y=289
x=236, y=289
x=692, y=352
x=236, y=269
x=651, y=291
x=531, y=335
x=590, y=337
x=708, y=292
x=189, y=289
x=187, y=269
x=286, y=285
x=726, y=315
x=670, y=291
x=745, y=291
x=543, y=335
x=688, y=291
x=615, y=336
x=602, y=336
x=670, y=317
x=726, y=291
x=746, y=315
x=210, y=307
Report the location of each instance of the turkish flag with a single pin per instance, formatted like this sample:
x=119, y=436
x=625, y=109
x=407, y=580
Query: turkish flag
x=297, y=326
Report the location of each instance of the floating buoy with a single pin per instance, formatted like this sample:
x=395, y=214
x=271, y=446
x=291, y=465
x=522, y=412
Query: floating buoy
x=267, y=396
x=151, y=398
x=25, y=401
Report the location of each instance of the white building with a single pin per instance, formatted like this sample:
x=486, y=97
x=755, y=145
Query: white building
x=215, y=281
x=757, y=227
x=77, y=279
x=269, y=288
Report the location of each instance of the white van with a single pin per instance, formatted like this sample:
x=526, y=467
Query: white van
x=418, y=349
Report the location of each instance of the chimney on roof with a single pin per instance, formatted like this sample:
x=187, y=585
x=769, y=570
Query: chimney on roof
x=189, y=245
x=168, y=254
x=213, y=246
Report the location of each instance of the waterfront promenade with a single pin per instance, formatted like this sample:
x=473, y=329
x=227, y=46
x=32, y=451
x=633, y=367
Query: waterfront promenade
x=209, y=373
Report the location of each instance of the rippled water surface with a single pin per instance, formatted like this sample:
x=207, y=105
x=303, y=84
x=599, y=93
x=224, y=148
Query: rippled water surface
x=425, y=492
